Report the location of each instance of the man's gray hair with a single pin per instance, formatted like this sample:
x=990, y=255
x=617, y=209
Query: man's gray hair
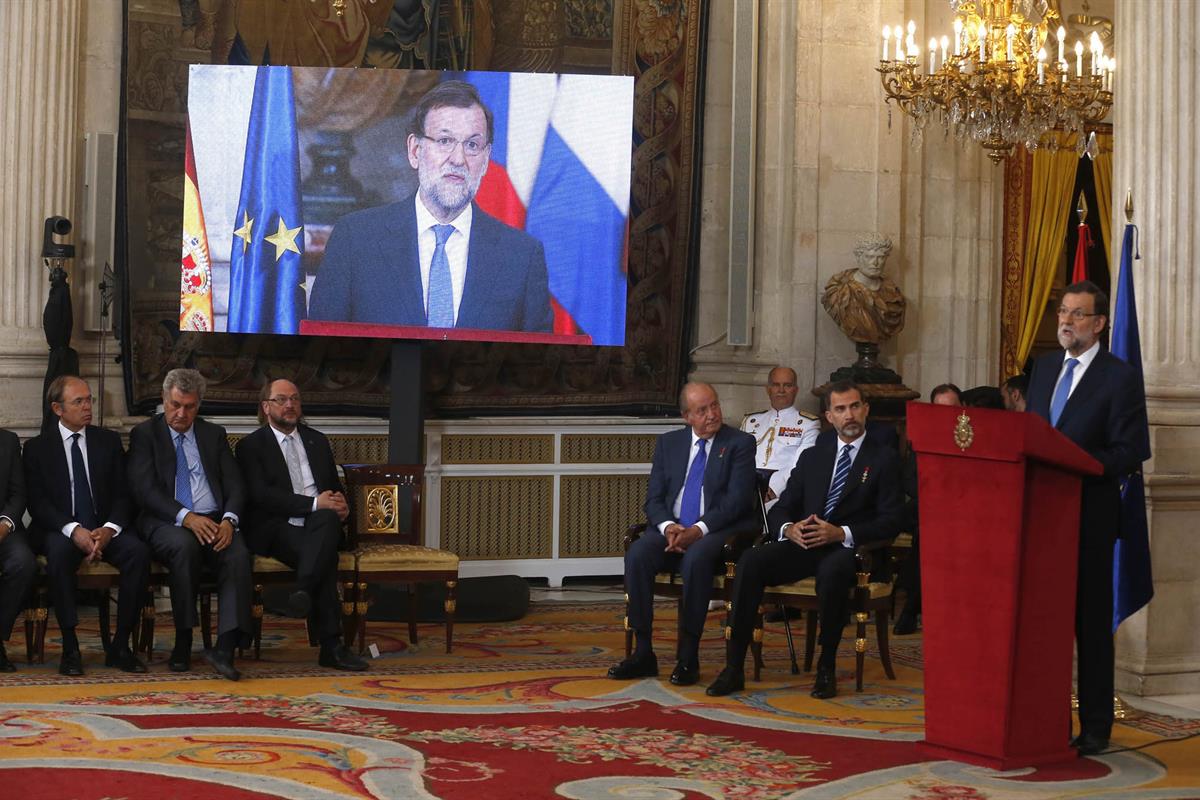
x=188, y=381
x=873, y=243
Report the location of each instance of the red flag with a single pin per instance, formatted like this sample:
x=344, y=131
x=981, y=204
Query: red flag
x=1080, y=273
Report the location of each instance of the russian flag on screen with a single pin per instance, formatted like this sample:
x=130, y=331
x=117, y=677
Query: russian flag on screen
x=560, y=170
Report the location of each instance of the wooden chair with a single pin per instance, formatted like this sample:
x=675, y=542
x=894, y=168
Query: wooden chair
x=99, y=576
x=870, y=595
x=386, y=531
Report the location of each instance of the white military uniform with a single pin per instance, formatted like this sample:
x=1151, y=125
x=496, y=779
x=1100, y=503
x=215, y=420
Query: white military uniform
x=781, y=435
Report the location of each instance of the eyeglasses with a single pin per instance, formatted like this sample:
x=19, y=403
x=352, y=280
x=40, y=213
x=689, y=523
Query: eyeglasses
x=1075, y=313
x=79, y=402
x=444, y=145
x=294, y=399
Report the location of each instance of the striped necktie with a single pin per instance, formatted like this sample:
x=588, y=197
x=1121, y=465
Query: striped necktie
x=840, y=473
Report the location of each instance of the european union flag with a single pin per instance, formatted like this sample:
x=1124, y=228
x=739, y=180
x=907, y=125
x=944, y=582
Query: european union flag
x=1133, y=585
x=266, y=279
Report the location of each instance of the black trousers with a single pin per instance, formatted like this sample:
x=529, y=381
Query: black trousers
x=783, y=562
x=126, y=552
x=17, y=570
x=184, y=557
x=1094, y=635
x=696, y=567
x=312, y=551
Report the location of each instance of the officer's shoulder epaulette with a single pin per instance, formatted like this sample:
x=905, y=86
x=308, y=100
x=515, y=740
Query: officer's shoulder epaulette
x=807, y=415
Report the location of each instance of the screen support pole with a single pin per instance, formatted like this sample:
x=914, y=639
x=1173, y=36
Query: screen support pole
x=406, y=422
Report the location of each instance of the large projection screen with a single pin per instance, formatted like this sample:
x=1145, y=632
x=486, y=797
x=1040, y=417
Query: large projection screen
x=323, y=201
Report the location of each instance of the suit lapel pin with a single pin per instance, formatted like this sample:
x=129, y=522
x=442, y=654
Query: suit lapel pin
x=721, y=453
x=866, y=472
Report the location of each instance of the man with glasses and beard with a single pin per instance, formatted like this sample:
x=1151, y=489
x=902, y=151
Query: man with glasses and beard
x=436, y=259
x=1095, y=399
x=296, y=512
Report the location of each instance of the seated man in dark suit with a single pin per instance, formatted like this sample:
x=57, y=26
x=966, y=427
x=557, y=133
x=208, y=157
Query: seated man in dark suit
x=839, y=495
x=702, y=485
x=436, y=258
x=17, y=566
x=81, y=509
x=296, y=512
x=187, y=482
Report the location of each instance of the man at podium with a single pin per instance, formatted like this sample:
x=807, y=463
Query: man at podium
x=1095, y=399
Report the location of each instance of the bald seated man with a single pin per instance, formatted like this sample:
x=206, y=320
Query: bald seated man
x=702, y=487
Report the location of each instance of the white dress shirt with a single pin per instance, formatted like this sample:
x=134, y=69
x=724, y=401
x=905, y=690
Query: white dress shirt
x=456, y=250
x=66, y=434
x=310, y=483
x=1085, y=360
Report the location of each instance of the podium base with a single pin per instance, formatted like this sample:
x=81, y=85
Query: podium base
x=1002, y=763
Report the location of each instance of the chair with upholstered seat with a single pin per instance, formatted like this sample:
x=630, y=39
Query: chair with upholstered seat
x=386, y=534
x=871, y=594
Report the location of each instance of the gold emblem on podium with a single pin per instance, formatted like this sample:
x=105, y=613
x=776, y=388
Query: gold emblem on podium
x=964, y=434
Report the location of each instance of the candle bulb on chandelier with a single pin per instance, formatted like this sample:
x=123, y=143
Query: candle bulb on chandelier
x=1042, y=67
x=1009, y=33
x=1078, y=59
x=932, y=55
x=899, y=42
x=1062, y=37
x=945, y=44
x=983, y=31
x=887, y=35
x=958, y=29
x=1097, y=54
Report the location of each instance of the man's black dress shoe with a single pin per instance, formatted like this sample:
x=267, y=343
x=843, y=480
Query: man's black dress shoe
x=729, y=681
x=180, y=660
x=299, y=604
x=341, y=657
x=906, y=623
x=684, y=674
x=71, y=664
x=1089, y=744
x=635, y=667
x=5, y=664
x=825, y=686
x=222, y=662
x=124, y=660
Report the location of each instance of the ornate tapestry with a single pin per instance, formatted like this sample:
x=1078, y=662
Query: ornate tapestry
x=659, y=42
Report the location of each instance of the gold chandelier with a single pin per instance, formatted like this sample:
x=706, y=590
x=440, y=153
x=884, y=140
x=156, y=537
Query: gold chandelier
x=1001, y=80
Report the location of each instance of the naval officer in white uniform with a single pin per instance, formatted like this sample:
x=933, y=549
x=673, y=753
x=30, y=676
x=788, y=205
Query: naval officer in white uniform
x=782, y=431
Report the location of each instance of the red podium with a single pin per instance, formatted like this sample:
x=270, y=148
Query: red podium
x=999, y=503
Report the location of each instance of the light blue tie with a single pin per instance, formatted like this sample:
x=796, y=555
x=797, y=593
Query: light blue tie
x=183, y=475
x=1062, y=392
x=689, y=506
x=441, y=291
x=839, y=481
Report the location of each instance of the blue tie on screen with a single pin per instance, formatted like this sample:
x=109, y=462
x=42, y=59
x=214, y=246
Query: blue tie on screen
x=441, y=291
x=1059, y=401
x=85, y=512
x=689, y=506
x=183, y=476
x=839, y=481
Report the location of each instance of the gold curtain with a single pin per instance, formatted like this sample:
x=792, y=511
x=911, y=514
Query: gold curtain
x=1102, y=170
x=1050, y=201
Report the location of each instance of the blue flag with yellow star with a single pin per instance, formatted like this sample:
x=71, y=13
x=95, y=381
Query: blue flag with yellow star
x=266, y=279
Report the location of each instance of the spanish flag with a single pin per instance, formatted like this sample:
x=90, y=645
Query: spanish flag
x=195, y=290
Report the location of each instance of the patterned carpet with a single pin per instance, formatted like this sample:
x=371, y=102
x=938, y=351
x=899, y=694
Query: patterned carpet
x=518, y=710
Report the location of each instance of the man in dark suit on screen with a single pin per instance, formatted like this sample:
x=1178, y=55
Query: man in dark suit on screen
x=80, y=505
x=187, y=483
x=1094, y=398
x=17, y=565
x=297, y=507
x=702, y=485
x=841, y=493
x=436, y=259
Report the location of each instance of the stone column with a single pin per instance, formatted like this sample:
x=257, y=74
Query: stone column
x=1155, y=119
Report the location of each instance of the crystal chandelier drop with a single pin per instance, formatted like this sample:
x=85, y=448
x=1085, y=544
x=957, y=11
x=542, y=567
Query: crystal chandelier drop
x=1001, y=80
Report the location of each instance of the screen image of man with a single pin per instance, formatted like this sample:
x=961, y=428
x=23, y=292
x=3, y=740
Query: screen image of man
x=1093, y=398
x=436, y=258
